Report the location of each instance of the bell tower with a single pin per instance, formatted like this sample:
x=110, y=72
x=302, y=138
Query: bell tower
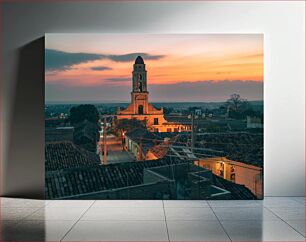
x=139, y=94
x=139, y=75
x=140, y=108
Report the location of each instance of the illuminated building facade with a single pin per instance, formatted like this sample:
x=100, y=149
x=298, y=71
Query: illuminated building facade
x=141, y=109
x=237, y=172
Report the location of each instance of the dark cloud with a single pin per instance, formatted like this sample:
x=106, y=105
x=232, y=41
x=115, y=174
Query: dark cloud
x=118, y=79
x=207, y=90
x=61, y=92
x=100, y=68
x=56, y=60
x=132, y=57
x=203, y=91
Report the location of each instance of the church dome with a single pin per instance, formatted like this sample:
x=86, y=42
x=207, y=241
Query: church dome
x=139, y=60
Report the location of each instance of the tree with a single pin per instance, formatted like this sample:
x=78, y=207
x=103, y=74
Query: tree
x=84, y=112
x=235, y=102
x=85, y=119
x=238, y=107
x=129, y=124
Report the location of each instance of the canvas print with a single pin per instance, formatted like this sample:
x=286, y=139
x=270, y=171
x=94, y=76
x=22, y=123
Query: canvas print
x=154, y=116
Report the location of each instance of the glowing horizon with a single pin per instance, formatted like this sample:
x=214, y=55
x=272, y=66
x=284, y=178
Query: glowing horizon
x=88, y=61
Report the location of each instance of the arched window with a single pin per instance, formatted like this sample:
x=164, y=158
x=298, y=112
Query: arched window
x=140, y=109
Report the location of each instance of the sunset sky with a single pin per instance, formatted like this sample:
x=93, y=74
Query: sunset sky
x=189, y=67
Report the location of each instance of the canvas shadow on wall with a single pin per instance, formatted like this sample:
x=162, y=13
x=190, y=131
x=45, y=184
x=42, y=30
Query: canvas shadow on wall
x=26, y=120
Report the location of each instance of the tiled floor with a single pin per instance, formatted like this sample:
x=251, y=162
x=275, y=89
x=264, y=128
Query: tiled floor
x=274, y=219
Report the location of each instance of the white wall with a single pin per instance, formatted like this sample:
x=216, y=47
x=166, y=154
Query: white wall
x=283, y=25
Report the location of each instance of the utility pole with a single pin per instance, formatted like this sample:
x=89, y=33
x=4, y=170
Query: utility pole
x=104, y=141
x=193, y=131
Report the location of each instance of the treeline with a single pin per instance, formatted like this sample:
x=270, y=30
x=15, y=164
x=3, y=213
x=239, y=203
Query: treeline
x=85, y=120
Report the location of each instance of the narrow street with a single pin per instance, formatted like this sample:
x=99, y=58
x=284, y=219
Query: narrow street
x=115, y=153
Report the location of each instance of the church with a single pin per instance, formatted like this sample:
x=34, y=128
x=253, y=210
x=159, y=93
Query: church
x=141, y=109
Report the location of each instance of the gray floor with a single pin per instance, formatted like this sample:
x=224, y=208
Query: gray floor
x=274, y=219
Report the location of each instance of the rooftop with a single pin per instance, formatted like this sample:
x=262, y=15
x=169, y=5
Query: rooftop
x=238, y=146
x=65, y=154
x=79, y=180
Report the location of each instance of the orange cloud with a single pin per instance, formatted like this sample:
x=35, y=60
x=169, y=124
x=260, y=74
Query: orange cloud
x=232, y=63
